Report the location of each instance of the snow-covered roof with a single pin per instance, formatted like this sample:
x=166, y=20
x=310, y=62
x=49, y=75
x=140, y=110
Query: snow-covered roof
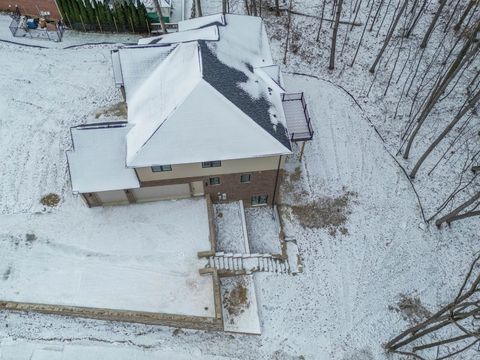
x=201, y=22
x=136, y=63
x=213, y=95
x=207, y=33
x=97, y=162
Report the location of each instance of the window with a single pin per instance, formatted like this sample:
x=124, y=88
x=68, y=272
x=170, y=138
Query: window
x=215, y=180
x=259, y=200
x=209, y=164
x=245, y=178
x=160, y=168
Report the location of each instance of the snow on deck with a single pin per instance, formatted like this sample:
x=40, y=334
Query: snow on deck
x=98, y=160
x=141, y=257
x=296, y=120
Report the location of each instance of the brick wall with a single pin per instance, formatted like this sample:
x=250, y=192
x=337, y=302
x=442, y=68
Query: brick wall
x=262, y=183
x=32, y=7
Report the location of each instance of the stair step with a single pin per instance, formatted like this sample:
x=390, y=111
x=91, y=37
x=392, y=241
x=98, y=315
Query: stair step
x=248, y=262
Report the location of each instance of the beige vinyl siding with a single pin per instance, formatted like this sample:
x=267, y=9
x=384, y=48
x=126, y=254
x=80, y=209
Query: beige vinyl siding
x=196, y=169
x=164, y=192
x=114, y=197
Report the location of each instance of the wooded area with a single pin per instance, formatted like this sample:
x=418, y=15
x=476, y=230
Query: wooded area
x=426, y=53
x=430, y=52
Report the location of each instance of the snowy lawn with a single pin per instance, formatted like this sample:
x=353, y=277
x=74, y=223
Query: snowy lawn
x=228, y=223
x=131, y=257
x=263, y=231
x=70, y=38
x=138, y=257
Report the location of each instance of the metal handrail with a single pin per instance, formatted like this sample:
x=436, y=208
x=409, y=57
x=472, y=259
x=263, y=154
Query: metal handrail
x=303, y=135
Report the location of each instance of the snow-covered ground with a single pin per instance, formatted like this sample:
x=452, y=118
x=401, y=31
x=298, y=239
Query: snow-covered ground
x=228, y=221
x=263, y=230
x=70, y=38
x=239, y=303
x=105, y=257
x=137, y=257
x=357, y=264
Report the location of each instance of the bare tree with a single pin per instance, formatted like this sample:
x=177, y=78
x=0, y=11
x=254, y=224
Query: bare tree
x=464, y=14
x=451, y=330
x=415, y=21
x=469, y=105
x=432, y=24
x=361, y=37
x=334, y=36
x=442, y=85
x=389, y=36
x=287, y=40
x=454, y=214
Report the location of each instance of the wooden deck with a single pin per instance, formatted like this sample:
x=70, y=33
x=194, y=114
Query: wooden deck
x=297, y=116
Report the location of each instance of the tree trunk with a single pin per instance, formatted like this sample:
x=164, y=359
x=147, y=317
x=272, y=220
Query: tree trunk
x=160, y=16
x=321, y=19
x=199, y=7
x=254, y=7
x=389, y=36
x=361, y=37
x=464, y=15
x=287, y=40
x=416, y=19
x=453, y=70
x=432, y=24
x=277, y=7
x=454, y=213
x=334, y=36
x=465, y=216
x=469, y=105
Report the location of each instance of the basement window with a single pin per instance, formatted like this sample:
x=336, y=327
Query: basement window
x=259, y=200
x=160, y=168
x=215, y=180
x=245, y=178
x=210, y=164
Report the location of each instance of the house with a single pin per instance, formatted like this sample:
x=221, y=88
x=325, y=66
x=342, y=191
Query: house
x=206, y=115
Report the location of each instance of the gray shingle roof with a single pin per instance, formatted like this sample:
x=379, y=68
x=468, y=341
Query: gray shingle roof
x=228, y=80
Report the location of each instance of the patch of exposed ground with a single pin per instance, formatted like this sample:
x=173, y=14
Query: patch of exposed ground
x=235, y=301
x=115, y=110
x=411, y=309
x=50, y=200
x=330, y=213
x=291, y=189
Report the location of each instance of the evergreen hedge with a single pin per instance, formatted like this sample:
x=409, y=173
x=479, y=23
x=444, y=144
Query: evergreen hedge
x=98, y=15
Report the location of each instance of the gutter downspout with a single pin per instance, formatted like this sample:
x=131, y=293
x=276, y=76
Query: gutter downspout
x=276, y=181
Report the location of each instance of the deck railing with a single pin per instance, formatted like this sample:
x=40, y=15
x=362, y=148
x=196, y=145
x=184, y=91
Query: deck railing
x=302, y=136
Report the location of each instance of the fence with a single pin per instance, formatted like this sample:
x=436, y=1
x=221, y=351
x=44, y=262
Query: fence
x=53, y=32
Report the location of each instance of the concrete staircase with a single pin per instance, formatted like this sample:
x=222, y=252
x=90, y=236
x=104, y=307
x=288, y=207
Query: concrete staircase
x=247, y=263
